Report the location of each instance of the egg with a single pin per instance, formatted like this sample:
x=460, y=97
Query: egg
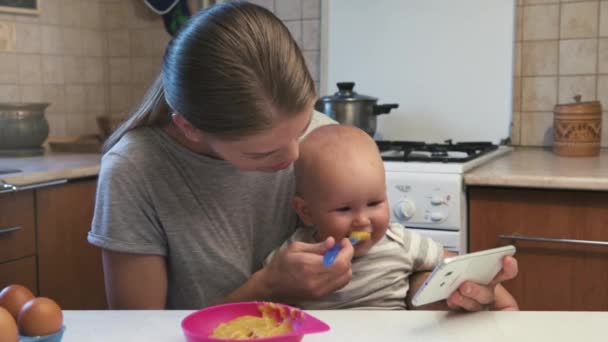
x=8, y=327
x=13, y=297
x=40, y=316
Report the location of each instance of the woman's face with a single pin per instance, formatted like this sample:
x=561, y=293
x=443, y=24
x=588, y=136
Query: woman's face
x=269, y=151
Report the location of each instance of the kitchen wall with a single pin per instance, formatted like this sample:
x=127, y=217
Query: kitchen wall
x=98, y=57
x=561, y=51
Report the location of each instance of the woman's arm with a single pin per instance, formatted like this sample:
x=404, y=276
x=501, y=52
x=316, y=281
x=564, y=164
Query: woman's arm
x=135, y=281
x=297, y=273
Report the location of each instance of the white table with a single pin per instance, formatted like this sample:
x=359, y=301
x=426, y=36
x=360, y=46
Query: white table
x=375, y=326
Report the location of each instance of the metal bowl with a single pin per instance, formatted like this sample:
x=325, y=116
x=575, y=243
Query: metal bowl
x=23, y=126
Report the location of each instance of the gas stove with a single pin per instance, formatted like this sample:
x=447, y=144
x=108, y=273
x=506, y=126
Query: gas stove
x=448, y=157
x=425, y=185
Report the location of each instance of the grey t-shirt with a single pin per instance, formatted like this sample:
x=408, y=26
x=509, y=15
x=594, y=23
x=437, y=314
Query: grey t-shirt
x=214, y=223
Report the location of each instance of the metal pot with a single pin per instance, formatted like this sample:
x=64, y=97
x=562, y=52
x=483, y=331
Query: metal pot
x=23, y=128
x=348, y=107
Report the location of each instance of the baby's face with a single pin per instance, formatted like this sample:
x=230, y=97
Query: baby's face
x=349, y=200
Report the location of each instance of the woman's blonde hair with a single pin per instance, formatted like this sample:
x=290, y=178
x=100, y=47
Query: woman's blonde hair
x=232, y=70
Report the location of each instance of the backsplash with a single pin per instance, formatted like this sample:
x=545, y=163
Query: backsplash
x=98, y=57
x=561, y=50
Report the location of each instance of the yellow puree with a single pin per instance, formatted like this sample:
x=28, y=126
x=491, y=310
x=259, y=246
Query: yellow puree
x=252, y=327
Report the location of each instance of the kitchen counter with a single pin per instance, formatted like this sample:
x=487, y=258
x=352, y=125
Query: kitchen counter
x=350, y=325
x=540, y=168
x=48, y=168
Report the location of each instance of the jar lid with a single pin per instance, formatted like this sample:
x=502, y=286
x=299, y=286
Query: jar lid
x=578, y=107
x=345, y=93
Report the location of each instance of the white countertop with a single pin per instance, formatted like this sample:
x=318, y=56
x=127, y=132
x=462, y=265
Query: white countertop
x=49, y=167
x=541, y=168
x=355, y=326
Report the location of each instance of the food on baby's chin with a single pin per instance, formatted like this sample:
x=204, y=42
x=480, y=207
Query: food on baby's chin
x=275, y=320
x=8, y=327
x=13, y=297
x=361, y=236
x=39, y=317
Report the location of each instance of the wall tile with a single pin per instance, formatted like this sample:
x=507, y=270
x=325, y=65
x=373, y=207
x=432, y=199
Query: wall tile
x=93, y=70
x=312, y=62
x=93, y=43
x=517, y=82
x=536, y=2
x=539, y=93
x=579, y=20
x=310, y=35
x=144, y=70
x=91, y=15
x=28, y=38
x=30, y=93
x=269, y=4
x=95, y=98
x=517, y=59
x=30, y=69
x=295, y=28
x=73, y=69
x=537, y=129
x=539, y=58
x=9, y=93
x=519, y=23
x=569, y=86
x=52, y=70
x=140, y=16
x=602, y=90
x=50, y=12
x=57, y=124
x=72, y=41
x=311, y=9
x=288, y=9
x=516, y=128
x=120, y=70
x=120, y=99
x=577, y=56
x=115, y=15
x=71, y=13
x=76, y=124
x=143, y=46
x=603, y=18
x=75, y=99
x=119, y=44
x=9, y=68
x=55, y=95
x=603, y=56
x=52, y=40
x=541, y=22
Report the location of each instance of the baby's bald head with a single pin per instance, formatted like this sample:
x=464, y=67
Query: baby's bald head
x=333, y=148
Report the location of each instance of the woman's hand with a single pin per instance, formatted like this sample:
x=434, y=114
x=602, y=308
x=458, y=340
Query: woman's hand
x=297, y=271
x=476, y=297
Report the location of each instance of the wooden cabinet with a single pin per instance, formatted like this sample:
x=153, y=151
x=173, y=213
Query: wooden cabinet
x=553, y=275
x=50, y=253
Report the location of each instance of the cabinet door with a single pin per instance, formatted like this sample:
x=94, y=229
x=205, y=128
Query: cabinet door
x=552, y=276
x=69, y=268
x=21, y=271
x=17, y=225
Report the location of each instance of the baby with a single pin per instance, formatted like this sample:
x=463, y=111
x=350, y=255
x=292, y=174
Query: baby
x=340, y=189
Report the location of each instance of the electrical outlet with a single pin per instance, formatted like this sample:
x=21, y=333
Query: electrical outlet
x=8, y=39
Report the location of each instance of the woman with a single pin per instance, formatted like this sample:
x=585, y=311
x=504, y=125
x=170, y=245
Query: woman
x=194, y=189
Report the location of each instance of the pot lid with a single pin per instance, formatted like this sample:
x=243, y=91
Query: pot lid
x=345, y=93
x=578, y=107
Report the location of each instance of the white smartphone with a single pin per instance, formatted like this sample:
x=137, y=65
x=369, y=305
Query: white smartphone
x=479, y=267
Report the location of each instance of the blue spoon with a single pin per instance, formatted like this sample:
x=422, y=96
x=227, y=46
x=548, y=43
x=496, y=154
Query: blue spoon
x=330, y=256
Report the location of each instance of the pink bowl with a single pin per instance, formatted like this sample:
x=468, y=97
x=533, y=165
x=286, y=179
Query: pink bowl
x=198, y=325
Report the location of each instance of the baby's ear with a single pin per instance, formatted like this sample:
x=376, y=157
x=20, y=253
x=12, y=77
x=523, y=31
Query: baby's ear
x=299, y=204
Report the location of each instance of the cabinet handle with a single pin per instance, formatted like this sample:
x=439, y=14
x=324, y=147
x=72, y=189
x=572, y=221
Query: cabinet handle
x=544, y=239
x=9, y=229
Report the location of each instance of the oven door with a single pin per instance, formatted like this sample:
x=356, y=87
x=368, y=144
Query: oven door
x=448, y=238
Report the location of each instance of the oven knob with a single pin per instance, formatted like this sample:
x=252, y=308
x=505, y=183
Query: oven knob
x=405, y=210
x=437, y=217
x=437, y=200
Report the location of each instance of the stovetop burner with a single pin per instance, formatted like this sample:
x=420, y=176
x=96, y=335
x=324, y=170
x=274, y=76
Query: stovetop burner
x=447, y=152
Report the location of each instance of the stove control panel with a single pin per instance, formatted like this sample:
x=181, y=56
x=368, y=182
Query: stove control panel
x=427, y=200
